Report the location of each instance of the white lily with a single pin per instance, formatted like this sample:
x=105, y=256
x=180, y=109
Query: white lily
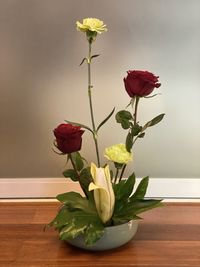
x=103, y=192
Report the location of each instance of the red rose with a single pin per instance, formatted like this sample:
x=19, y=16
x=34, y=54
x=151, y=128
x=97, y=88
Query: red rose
x=140, y=83
x=68, y=138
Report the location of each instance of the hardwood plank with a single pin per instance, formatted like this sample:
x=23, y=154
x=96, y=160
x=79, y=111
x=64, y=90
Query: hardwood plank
x=183, y=213
x=174, y=213
x=145, y=232
x=168, y=237
x=16, y=213
x=136, y=253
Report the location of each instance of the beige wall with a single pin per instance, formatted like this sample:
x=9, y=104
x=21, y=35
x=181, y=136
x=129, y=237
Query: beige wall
x=41, y=83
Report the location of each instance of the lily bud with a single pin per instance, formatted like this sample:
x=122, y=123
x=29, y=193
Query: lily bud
x=103, y=192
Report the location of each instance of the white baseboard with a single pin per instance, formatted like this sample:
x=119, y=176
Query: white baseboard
x=54, y=200
x=174, y=188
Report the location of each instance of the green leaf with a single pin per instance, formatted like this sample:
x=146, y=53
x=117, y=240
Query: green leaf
x=95, y=56
x=123, y=117
x=136, y=128
x=106, y=119
x=70, y=173
x=125, y=124
x=142, y=205
x=122, y=192
x=119, y=206
x=80, y=222
x=93, y=232
x=75, y=201
x=86, y=173
x=150, y=96
x=135, y=207
x=123, y=213
x=141, y=135
x=72, y=229
x=120, y=219
x=141, y=189
x=60, y=219
x=124, y=188
x=117, y=188
x=129, y=142
x=79, y=124
x=83, y=61
x=156, y=120
x=77, y=159
x=77, y=216
x=153, y=122
x=85, y=180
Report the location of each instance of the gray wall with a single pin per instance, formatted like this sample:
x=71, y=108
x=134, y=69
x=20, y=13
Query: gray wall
x=41, y=83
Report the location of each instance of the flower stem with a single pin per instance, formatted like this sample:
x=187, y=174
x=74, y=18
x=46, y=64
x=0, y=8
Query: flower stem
x=135, y=115
x=77, y=173
x=116, y=175
x=122, y=172
x=136, y=109
x=90, y=102
x=135, y=122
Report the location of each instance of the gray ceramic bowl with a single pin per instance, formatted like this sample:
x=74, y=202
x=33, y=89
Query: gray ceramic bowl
x=114, y=237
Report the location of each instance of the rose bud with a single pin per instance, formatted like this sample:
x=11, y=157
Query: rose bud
x=68, y=138
x=140, y=83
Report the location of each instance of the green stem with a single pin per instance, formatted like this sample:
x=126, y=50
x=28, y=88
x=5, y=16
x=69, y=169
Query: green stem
x=116, y=175
x=122, y=172
x=135, y=115
x=136, y=109
x=90, y=102
x=135, y=122
x=77, y=173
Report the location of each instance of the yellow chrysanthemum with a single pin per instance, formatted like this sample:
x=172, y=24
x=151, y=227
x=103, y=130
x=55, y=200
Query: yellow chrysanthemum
x=91, y=24
x=118, y=153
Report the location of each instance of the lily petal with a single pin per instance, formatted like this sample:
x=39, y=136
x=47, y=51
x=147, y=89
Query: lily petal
x=103, y=192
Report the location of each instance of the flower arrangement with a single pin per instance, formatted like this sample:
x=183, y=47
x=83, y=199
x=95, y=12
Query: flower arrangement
x=108, y=198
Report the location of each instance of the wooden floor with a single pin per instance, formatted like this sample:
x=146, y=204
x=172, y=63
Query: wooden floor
x=168, y=236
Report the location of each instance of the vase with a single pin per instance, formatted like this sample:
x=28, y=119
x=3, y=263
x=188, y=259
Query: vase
x=113, y=237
